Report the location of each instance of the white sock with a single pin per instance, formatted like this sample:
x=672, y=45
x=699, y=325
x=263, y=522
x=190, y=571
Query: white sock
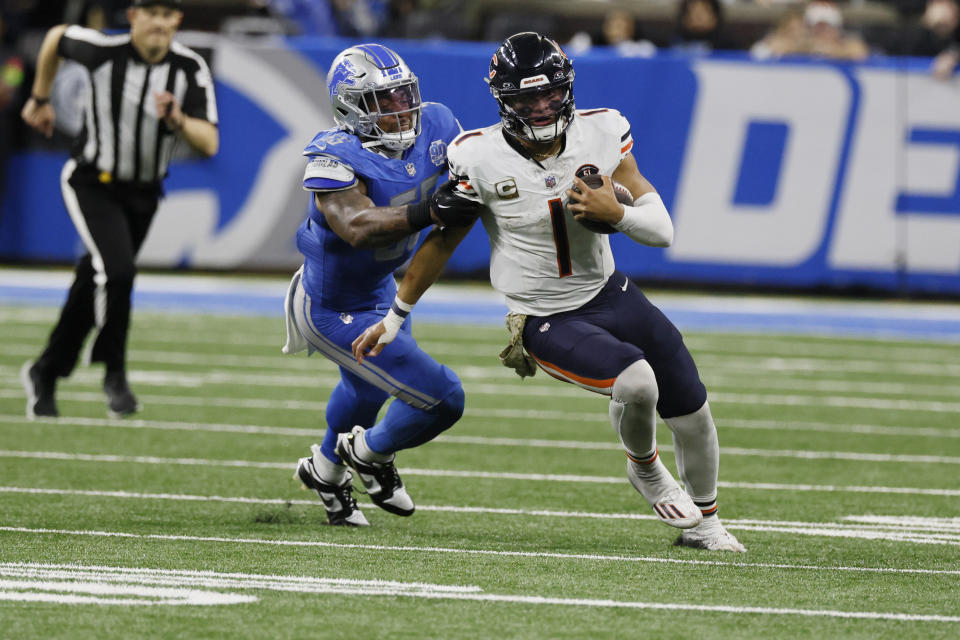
x=698, y=455
x=656, y=477
x=366, y=453
x=330, y=472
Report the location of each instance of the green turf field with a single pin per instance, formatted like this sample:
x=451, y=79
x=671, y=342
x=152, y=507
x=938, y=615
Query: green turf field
x=840, y=472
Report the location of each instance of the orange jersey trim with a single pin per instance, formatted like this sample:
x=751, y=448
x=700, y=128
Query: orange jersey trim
x=626, y=147
x=467, y=135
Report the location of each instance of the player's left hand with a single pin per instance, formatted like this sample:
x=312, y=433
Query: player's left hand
x=371, y=342
x=594, y=204
x=169, y=110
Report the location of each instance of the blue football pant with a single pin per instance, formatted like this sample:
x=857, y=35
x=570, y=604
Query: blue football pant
x=429, y=396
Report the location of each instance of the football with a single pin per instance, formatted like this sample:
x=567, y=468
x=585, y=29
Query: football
x=623, y=194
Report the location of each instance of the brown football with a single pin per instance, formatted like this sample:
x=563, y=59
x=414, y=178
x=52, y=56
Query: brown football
x=623, y=194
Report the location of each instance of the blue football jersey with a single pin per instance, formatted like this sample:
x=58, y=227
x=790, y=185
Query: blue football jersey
x=344, y=278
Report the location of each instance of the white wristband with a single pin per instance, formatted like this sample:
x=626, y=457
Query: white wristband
x=394, y=319
x=647, y=221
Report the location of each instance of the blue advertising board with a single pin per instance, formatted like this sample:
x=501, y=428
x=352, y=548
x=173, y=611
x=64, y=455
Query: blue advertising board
x=793, y=173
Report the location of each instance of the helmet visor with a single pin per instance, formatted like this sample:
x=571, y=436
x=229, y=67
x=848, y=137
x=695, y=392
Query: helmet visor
x=538, y=108
x=394, y=109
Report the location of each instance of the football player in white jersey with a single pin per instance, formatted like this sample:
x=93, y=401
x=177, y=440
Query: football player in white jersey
x=571, y=312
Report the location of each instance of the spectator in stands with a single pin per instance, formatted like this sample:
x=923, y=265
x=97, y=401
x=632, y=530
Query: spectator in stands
x=934, y=33
x=828, y=39
x=817, y=32
x=790, y=36
x=619, y=30
x=940, y=37
x=700, y=27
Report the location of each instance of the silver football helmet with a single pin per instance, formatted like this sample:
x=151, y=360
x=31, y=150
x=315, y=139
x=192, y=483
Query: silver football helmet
x=375, y=96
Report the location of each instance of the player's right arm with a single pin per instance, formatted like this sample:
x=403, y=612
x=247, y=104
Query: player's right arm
x=341, y=196
x=38, y=112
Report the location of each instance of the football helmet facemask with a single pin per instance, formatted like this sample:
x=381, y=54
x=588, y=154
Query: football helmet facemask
x=531, y=79
x=375, y=96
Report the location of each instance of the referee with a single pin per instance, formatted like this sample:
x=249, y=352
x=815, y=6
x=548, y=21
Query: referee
x=147, y=92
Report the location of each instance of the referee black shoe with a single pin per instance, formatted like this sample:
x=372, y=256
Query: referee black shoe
x=120, y=400
x=41, y=391
x=380, y=479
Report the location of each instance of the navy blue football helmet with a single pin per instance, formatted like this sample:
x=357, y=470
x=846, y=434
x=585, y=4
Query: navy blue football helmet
x=527, y=68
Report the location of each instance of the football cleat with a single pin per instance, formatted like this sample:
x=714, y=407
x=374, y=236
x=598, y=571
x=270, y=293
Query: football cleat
x=672, y=504
x=341, y=506
x=380, y=479
x=709, y=535
x=41, y=391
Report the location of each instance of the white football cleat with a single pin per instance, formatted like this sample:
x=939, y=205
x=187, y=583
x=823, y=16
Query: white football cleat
x=709, y=535
x=671, y=504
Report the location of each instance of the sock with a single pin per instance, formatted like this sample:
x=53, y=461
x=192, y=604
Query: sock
x=328, y=470
x=368, y=454
x=655, y=476
x=698, y=455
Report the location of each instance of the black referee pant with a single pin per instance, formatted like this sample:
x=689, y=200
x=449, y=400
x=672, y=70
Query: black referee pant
x=112, y=220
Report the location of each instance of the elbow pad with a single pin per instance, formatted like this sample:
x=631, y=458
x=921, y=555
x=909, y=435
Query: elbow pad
x=647, y=221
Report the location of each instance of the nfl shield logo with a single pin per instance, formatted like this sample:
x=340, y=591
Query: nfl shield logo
x=411, y=169
x=550, y=181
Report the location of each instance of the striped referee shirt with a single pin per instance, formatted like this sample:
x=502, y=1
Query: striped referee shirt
x=123, y=137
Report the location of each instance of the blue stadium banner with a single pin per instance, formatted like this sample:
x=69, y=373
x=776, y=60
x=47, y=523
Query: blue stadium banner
x=793, y=173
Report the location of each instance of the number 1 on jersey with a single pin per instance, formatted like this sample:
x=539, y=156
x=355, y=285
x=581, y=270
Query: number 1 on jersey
x=557, y=218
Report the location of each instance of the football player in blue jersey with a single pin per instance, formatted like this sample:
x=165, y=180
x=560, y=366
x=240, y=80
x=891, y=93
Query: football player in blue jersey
x=372, y=178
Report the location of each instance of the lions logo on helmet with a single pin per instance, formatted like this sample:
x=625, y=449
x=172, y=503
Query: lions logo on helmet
x=375, y=96
x=527, y=68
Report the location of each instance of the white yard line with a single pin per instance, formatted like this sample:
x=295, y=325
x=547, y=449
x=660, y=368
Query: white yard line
x=897, y=524
x=724, y=384
x=449, y=473
x=477, y=552
x=714, y=363
x=125, y=581
x=798, y=454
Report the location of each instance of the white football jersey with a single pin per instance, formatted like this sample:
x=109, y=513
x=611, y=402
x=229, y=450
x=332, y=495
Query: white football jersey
x=541, y=259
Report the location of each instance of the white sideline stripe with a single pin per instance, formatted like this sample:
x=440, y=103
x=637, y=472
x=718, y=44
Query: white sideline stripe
x=415, y=590
x=446, y=473
x=478, y=552
x=480, y=440
x=893, y=524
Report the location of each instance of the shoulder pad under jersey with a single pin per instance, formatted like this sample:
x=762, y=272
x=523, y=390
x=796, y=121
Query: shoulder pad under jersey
x=326, y=173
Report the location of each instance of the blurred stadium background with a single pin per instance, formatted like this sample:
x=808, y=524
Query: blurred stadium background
x=811, y=194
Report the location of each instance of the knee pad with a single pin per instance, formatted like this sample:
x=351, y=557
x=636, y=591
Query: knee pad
x=637, y=385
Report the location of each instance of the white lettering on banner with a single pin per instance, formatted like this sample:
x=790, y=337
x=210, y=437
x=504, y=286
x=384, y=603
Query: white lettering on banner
x=181, y=229
x=886, y=162
x=814, y=103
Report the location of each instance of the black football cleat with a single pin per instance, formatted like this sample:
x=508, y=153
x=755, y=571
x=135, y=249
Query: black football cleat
x=380, y=479
x=341, y=506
